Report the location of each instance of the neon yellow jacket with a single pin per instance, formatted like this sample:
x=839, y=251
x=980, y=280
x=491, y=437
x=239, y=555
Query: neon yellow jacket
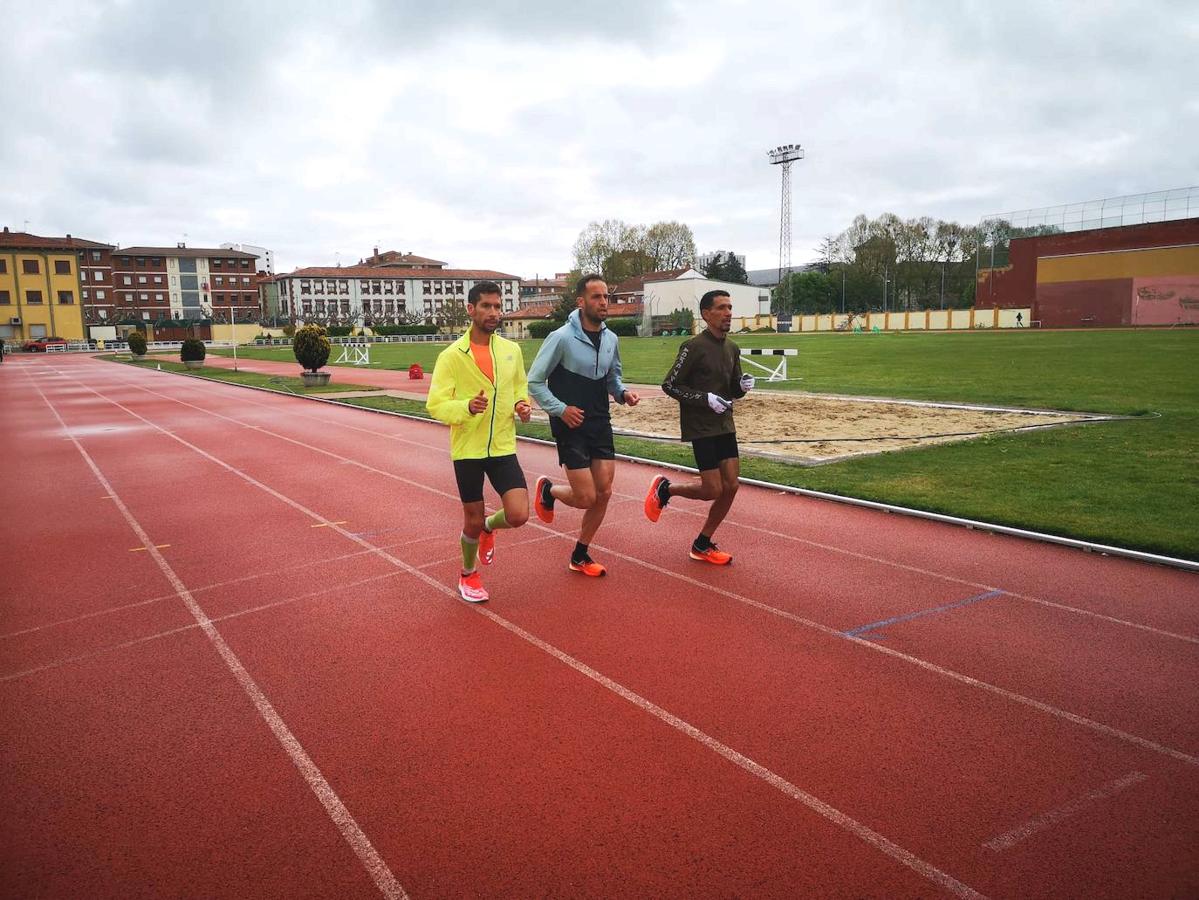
x=456, y=379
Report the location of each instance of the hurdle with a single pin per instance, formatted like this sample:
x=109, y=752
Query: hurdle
x=354, y=355
x=777, y=372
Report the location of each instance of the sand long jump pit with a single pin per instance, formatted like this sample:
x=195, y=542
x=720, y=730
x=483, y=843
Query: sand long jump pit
x=812, y=429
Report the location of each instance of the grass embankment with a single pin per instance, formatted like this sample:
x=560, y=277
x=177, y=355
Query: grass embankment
x=251, y=379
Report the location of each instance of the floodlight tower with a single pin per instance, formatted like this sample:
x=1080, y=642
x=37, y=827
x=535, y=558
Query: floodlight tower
x=784, y=156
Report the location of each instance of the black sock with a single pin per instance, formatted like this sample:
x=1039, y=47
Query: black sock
x=703, y=542
x=547, y=499
x=580, y=554
x=663, y=492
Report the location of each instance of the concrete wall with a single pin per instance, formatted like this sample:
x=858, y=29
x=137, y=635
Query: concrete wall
x=917, y=320
x=664, y=297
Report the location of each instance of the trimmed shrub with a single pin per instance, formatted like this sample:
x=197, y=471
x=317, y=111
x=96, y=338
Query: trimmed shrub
x=542, y=327
x=289, y=330
x=341, y=330
x=137, y=342
x=193, y=350
x=311, y=347
x=624, y=327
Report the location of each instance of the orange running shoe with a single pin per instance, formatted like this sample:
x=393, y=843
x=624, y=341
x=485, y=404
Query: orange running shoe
x=712, y=555
x=653, y=502
x=544, y=512
x=486, y=547
x=588, y=567
x=470, y=587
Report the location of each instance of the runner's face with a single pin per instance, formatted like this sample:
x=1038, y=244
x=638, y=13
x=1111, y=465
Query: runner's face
x=594, y=302
x=486, y=314
x=720, y=316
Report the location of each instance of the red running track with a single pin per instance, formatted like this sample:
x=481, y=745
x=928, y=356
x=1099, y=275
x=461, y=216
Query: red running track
x=232, y=664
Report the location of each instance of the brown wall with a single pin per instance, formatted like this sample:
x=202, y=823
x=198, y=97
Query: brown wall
x=1075, y=304
x=1016, y=284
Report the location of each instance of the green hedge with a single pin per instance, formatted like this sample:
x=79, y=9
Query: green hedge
x=542, y=327
x=340, y=330
x=624, y=327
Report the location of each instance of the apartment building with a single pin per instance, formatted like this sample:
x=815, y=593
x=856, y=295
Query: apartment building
x=39, y=287
x=165, y=284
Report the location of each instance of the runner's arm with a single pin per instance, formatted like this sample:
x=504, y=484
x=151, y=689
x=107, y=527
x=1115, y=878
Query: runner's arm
x=675, y=384
x=615, y=385
x=735, y=390
x=546, y=361
x=441, y=402
x=520, y=383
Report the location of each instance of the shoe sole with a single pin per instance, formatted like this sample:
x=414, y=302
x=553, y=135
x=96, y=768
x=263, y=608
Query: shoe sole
x=650, y=503
x=575, y=568
x=545, y=515
x=472, y=599
x=727, y=562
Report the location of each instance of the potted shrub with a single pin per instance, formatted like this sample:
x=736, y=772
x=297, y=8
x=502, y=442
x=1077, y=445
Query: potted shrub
x=137, y=343
x=192, y=353
x=311, y=348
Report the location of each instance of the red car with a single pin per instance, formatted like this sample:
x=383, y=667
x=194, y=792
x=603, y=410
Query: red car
x=42, y=344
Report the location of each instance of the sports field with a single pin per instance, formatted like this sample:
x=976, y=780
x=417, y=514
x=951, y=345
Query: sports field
x=1129, y=483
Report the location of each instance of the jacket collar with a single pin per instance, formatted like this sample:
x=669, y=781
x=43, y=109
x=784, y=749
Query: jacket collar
x=575, y=321
x=463, y=343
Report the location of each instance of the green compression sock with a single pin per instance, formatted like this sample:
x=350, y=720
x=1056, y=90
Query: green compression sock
x=496, y=520
x=470, y=553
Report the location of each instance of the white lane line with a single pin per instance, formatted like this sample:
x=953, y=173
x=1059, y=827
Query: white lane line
x=349, y=828
x=1011, y=838
x=1065, y=715
x=112, y=648
x=211, y=587
x=832, y=548
x=831, y=814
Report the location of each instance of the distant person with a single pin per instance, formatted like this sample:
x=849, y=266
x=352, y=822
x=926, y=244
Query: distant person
x=706, y=378
x=1019, y=320
x=576, y=370
x=478, y=384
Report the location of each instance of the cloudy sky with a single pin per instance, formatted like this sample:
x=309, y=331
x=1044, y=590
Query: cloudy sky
x=488, y=134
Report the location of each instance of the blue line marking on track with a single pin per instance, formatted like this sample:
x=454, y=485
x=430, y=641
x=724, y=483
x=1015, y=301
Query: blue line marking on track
x=862, y=629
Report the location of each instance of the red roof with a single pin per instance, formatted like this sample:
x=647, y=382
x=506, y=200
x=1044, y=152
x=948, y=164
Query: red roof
x=185, y=252
x=389, y=272
x=16, y=240
x=533, y=311
x=393, y=258
x=636, y=284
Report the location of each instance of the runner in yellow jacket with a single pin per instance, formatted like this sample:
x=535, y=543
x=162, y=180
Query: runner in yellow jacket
x=478, y=384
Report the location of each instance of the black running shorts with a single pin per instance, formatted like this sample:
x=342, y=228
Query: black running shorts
x=577, y=447
x=504, y=473
x=711, y=451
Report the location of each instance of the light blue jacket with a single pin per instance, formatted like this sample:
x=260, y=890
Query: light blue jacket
x=571, y=371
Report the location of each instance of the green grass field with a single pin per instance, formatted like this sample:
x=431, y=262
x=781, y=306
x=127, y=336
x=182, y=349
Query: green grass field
x=1130, y=483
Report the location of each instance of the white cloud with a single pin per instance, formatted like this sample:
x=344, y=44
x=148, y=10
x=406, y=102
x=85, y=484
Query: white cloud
x=490, y=135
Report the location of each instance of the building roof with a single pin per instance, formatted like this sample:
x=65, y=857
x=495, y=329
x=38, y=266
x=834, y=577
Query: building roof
x=395, y=258
x=16, y=240
x=533, y=311
x=392, y=272
x=185, y=252
x=636, y=284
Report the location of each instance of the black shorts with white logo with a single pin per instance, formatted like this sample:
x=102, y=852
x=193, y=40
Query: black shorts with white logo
x=710, y=452
x=504, y=473
x=592, y=440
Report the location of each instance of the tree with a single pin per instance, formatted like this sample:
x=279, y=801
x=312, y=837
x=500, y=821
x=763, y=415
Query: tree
x=600, y=240
x=806, y=293
x=726, y=267
x=670, y=245
x=624, y=264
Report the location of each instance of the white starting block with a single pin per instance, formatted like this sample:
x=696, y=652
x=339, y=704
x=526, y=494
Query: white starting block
x=354, y=355
x=773, y=372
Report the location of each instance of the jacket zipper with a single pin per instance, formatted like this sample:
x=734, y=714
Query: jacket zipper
x=495, y=393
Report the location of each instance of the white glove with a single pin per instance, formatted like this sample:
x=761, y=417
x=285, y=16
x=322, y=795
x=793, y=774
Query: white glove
x=747, y=383
x=719, y=405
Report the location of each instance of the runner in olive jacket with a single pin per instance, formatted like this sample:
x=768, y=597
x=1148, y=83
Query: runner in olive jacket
x=706, y=378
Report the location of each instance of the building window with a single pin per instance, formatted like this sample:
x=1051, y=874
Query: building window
x=128, y=298
x=65, y=298
x=141, y=261
x=30, y=267
x=99, y=276
x=3, y=266
x=62, y=267
x=158, y=279
x=159, y=298
x=216, y=263
x=100, y=295
x=141, y=279
x=95, y=256
x=126, y=280
x=143, y=297
x=34, y=297
x=245, y=264
x=5, y=299
x=218, y=280
x=156, y=261
x=124, y=260
x=86, y=294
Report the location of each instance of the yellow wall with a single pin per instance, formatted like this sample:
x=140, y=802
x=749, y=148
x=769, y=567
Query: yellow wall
x=1119, y=264
x=60, y=319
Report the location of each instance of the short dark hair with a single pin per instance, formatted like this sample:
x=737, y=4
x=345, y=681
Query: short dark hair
x=581, y=285
x=708, y=300
x=483, y=287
